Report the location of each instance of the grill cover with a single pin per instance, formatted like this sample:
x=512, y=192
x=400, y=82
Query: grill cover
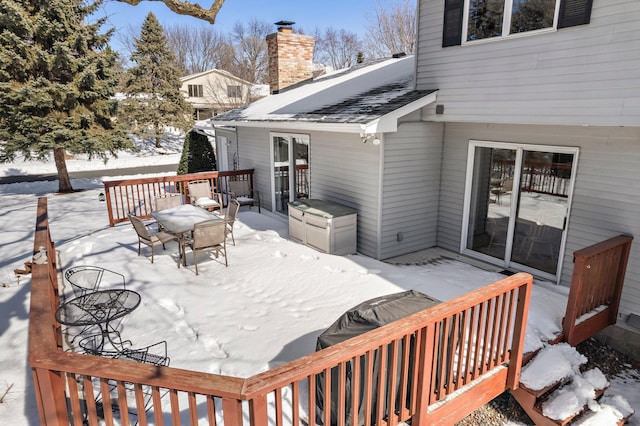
x=364, y=317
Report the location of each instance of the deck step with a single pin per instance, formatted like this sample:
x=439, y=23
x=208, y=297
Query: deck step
x=611, y=410
x=541, y=393
x=539, y=407
x=575, y=396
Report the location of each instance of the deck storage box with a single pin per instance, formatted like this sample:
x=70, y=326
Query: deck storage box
x=326, y=226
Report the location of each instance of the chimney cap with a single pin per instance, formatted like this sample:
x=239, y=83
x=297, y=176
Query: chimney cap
x=284, y=23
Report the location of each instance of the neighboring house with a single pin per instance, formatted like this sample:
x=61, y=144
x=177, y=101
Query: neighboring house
x=215, y=91
x=511, y=139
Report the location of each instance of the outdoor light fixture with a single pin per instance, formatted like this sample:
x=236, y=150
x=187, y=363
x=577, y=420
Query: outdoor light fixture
x=370, y=137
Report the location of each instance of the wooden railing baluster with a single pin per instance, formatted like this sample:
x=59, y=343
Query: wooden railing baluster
x=413, y=363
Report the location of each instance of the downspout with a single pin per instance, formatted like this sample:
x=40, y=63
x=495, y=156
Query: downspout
x=380, y=195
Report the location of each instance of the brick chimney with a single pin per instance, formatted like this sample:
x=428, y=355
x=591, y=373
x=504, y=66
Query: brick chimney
x=290, y=57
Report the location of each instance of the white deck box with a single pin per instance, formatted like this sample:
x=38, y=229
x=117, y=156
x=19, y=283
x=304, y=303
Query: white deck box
x=328, y=227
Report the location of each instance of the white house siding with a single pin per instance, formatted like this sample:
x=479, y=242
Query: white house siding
x=253, y=152
x=588, y=74
x=606, y=199
x=347, y=171
x=412, y=159
x=214, y=86
x=342, y=169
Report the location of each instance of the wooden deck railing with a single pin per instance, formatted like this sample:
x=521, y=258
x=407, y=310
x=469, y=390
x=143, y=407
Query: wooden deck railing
x=596, y=286
x=437, y=366
x=135, y=196
x=537, y=176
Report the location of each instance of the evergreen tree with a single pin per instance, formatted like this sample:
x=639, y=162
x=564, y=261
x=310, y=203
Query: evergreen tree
x=197, y=154
x=153, y=86
x=56, y=78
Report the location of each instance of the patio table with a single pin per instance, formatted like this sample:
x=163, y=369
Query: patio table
x=99, y=308
x=180, y=220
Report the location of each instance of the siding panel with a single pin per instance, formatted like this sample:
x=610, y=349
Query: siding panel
x=412, y=159
x=593, y=69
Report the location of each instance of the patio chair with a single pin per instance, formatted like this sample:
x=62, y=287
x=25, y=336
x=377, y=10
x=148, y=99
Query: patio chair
x=230, y=215
x=503, y=188
x=152, y=240
x=242, y=191
x=201, y=195
x=155, y=354
x=86, y=278
x=540, y=237
x=168, y=201
x=93, y=344
x=208, y=236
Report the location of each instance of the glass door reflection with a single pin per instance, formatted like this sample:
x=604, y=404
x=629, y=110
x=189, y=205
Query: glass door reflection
x=518, y=204
x=290, y=167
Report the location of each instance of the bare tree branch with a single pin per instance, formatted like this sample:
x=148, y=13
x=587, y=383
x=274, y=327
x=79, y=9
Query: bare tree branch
x=391, y=30
x=337, y=48
x=183, y=7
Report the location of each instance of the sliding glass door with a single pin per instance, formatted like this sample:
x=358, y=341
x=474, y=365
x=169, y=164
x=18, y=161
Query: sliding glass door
x=290, y=169
x=517, y=204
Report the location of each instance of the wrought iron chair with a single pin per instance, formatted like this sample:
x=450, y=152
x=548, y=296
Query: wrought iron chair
x=155, y=354
x=208, y=236
x=201, y=195
x=86, y=278
x=152, y=240
x=242, y=191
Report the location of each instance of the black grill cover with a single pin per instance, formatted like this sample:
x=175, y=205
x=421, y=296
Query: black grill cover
x=364, y=317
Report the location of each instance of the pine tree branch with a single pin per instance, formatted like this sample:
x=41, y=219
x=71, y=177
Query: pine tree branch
x=183, y=7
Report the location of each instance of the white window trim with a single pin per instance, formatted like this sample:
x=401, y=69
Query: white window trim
x=272, y=135
x=473, y=144
x=506, y=25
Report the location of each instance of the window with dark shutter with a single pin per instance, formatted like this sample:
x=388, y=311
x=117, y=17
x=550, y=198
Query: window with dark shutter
x=574, y=12
x=498, y=19
x=452, y=28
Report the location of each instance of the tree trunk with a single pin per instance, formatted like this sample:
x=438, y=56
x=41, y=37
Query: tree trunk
x=157, y=131
x=64, y=183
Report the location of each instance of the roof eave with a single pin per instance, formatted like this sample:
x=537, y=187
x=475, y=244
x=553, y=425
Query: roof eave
x=387, y=123
x=293, y=125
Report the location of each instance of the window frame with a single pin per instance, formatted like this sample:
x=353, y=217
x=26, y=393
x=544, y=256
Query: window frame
x=195, y=90
x=506, y=24
x=237, y=91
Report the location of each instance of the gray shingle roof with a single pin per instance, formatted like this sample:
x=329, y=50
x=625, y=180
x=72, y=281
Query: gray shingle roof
x=337, y=103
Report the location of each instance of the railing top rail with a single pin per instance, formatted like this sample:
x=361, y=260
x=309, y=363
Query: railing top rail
x=176, y=178
x=41, y=337
x=147, y=374
x=603, y=246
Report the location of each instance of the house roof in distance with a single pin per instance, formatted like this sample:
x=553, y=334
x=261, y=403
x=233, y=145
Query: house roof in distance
x=366, y=98
x=223, y=73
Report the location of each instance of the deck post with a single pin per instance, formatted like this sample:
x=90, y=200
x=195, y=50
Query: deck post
x=258, y=411
x=50, y=393
x=517, y=346
x=232, y=411
x=425, y=367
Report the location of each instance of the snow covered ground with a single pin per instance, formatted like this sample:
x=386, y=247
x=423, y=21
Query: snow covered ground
x=263, y=310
